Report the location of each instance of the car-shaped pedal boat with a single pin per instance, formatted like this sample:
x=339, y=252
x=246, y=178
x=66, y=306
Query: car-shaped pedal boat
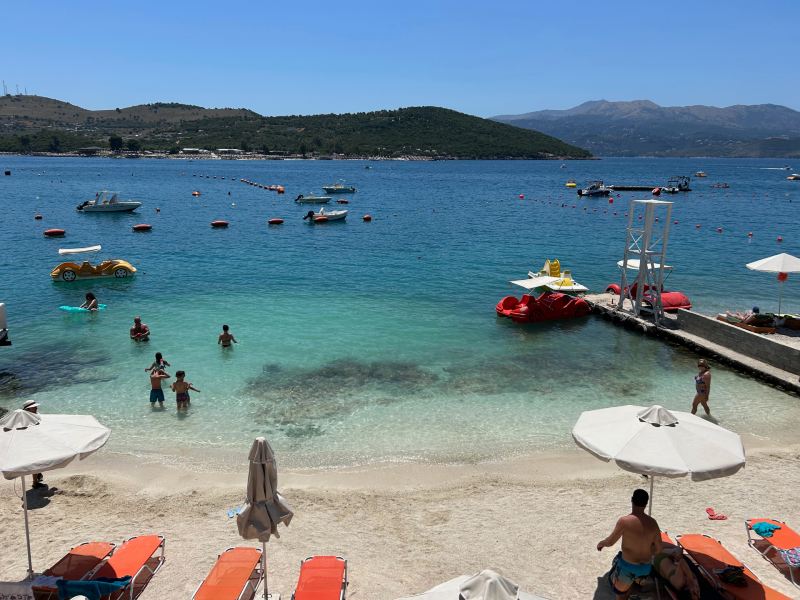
x=73, y=270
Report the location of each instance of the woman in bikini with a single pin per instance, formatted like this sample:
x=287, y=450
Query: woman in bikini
x=702, y=384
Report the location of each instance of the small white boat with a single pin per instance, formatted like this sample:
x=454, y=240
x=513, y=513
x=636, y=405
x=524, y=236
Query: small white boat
x=312, y=199
x=793, y=177
x=324, y=216
x=106, y=201
x=339, y=188
x=595, y=188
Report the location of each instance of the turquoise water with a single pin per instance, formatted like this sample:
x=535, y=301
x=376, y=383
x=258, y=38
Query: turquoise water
x=365, y=342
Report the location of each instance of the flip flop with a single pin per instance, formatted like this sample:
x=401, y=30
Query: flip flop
x=715, y=516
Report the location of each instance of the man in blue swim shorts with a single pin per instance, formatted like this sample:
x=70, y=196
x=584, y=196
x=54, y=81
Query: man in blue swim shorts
x=156, y=393
x=641, y=540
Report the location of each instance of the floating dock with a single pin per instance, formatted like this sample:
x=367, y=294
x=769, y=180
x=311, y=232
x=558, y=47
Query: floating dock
x=634, y=188
x=752, y=353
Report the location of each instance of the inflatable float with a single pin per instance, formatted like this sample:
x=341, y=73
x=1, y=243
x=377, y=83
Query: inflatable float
x=671, y=301
x=275, y=221
x=78, y=309
x=142, y=227
x=219, y=223
x=54, y=232
x=549, y=306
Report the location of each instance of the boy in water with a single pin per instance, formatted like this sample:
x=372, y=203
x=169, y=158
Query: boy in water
x=226, y=337
x=157, y=375
x=181, y=389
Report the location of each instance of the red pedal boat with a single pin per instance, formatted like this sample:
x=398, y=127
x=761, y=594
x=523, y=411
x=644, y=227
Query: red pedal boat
x=549, y=306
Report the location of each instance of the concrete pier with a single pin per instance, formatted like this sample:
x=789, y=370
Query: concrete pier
x=752, y=353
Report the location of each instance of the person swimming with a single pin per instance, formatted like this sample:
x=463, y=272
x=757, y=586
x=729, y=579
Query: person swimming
x=91, y=302
x=226, y=337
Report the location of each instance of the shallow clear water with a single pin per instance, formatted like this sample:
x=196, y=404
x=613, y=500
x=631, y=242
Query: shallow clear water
x=372, y=341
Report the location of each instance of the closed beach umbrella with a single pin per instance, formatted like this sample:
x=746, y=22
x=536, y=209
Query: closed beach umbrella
x=265, y=507
x=34, y=443
x=654, y=441
x=781, y=264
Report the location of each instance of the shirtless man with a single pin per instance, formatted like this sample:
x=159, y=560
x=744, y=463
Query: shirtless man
x=226, y=337
x=641, y=539
x=140, y=332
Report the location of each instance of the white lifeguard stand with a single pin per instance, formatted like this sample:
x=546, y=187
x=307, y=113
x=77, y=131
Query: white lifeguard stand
x=646, y=253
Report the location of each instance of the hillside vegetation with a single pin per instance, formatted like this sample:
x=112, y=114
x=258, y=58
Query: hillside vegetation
x=35, y=124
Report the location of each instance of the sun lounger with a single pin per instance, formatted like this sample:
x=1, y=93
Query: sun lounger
x=235, y=576
x=78, y=563
x=711, y=558
x=784, y=542
x=741, y=325
x=322, y=578
x=140, y=558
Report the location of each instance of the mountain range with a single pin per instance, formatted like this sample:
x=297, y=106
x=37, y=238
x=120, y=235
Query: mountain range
x=643, y=128
x=38, y=124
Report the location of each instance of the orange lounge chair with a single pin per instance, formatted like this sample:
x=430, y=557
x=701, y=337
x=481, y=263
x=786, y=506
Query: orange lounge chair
x=139, y=557
x=784, y=542
x=235, y=576
x=710, y=556
x=322, y=578
x=78, y=563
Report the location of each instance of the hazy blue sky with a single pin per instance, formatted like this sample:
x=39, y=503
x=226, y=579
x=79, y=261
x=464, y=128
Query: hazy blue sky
x=483, y=58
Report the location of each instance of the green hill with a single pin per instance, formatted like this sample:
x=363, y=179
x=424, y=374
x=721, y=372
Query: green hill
x=35, y=124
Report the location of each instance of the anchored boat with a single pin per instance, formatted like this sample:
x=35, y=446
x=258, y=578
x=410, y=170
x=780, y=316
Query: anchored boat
x=106, y=201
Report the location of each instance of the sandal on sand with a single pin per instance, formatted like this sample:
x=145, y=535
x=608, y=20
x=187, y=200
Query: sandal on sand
x=714, y=516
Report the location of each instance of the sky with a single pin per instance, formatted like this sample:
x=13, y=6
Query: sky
x=482, y=58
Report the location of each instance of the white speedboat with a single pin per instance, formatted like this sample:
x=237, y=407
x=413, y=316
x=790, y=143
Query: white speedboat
x=595, y=188
x=324, y=216
x=339, y=188
x=312, y=199
x=106, y=201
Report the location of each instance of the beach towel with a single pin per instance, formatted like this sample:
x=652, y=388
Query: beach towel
x=764, y=529
x=93, y=590
x=791, y=557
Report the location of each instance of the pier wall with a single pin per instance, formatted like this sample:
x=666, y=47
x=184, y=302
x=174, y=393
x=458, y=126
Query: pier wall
x=754, y=345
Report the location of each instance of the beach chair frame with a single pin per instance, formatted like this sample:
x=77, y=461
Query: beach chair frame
x=47, y=593
x=250, y=587
x=345, y=580
x=751, y=541
x=131, y=591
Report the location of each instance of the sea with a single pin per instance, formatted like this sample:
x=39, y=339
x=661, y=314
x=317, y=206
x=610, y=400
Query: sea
x=371, y=342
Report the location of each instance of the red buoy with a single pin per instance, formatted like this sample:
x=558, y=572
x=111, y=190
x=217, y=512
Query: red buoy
x=674, y=222
x=195, y=193
x=321, y=219
x=522, y=196
x=697, y=226
x=656, y=191
x=37, y=216
x=142, y=227
x=611, y=200
x=783, y=277
x=54, y=232
x=275, y=221
x=343, y=202
x=780, y=238
x=367, y=218
x=749, y=234
x=719, y=229
x=219, y=223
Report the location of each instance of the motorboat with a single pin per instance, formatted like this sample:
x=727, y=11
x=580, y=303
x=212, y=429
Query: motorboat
x=571, y=183
x=595, y=188
x=339, y=188
x=793, y=177
x=106, y=201
x=548, y=306
x=700, y=174
x=72, y=271
x=671, y=301
x=676, y=184
x=312, y=199
x=324, y=216
x=562, y=279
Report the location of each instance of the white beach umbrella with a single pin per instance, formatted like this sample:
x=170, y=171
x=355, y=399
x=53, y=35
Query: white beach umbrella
x=780, y=263
x=654, y=441
x=33, y=443
x=486, y=585
x=265, y=508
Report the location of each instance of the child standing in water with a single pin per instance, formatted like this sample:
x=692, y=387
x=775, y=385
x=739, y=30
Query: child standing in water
x=702, y=384
x=181, y=389
x=156, y=393
x=158, y=363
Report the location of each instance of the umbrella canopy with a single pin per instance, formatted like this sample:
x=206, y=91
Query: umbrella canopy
x=780, y=263
x=655, y=441
x=486, y=585
x=265, y=508
x=33, y=443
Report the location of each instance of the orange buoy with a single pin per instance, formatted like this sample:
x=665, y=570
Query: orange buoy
x=195, y=193
x=219, y=223
x=275, y=221
x=321, y=219
x=142, y=227
x=343, y=202
x=780, y=238
x=37, y=216
x=54, y=232
x=367, y=218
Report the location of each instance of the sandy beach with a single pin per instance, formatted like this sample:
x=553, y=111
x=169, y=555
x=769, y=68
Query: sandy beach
x=403, y=528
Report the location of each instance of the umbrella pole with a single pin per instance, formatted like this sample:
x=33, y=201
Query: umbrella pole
x=264, y=567
x=650, y=506
x=27, y=529
x=780, y=298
